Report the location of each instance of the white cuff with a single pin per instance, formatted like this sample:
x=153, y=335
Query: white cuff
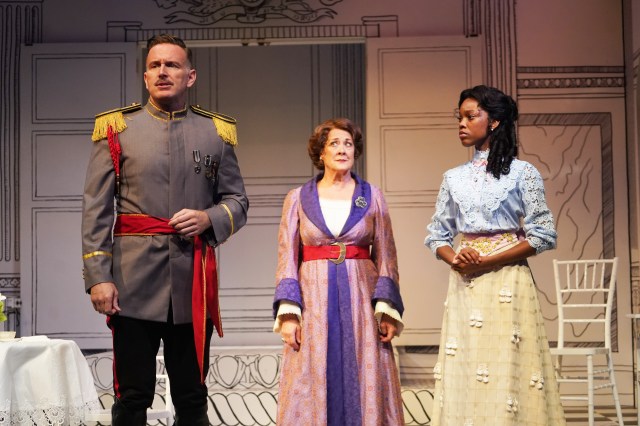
x=384, y=307
x=285, y=307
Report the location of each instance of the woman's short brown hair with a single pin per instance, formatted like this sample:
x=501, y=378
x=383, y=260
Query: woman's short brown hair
x=319, y=137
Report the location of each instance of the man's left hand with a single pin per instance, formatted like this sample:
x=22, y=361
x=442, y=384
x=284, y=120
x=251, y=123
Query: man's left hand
x=190, y=223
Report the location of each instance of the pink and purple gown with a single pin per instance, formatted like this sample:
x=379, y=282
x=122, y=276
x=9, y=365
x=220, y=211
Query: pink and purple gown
x=342, y=374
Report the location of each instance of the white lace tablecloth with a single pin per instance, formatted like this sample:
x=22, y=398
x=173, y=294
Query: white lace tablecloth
x=44, y=382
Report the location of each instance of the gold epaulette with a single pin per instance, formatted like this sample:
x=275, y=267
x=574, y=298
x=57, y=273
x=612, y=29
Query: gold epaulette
x=113, y=118
x=225, y=125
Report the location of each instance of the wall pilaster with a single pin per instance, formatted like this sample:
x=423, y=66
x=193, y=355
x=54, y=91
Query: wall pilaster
x=21, y=23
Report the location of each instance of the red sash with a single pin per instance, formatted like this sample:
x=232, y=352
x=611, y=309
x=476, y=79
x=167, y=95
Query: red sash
x=336, y=252
x=204, y=291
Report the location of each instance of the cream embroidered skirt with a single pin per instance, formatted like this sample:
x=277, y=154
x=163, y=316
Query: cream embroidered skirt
x=494, y=367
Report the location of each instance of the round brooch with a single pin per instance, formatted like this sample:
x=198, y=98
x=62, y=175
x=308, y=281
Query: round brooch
x=361, y=202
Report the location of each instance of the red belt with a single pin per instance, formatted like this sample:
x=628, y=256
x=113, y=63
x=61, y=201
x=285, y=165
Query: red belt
x=204, y=291
x=336, y=252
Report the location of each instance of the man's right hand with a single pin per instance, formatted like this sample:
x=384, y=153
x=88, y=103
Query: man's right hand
x=104, y=297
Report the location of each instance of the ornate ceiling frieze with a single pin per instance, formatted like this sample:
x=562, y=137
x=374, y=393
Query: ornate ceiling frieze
x=208, y=12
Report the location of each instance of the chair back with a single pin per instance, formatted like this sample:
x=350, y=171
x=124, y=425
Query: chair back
x=585, y=292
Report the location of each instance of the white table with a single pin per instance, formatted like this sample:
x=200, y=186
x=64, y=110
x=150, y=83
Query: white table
x=44, y=381
x=636, y=330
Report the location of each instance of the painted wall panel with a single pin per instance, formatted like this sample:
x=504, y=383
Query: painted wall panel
x=64, y=80
x=60, y=162
x=417, y=81
x=59, y=310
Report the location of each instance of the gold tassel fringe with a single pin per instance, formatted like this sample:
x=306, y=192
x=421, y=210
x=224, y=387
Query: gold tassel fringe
x=225, y=125
x=115, y=120
x=226, y=130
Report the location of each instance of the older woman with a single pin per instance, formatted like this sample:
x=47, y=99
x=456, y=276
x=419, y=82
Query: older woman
x=337, y=300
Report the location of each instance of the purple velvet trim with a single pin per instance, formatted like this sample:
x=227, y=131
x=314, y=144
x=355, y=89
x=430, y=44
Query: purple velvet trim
x=388, y=290
x=287, y=289
x=343, y=386
x=311, y=204
x=363, y=189
x=335, y=391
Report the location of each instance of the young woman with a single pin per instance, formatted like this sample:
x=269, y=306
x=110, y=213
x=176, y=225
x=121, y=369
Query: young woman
x=494, y=366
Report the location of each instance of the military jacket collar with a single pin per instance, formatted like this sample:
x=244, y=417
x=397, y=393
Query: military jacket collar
x=156, y=112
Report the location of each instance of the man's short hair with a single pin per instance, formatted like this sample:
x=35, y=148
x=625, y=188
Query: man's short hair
x=169, y=39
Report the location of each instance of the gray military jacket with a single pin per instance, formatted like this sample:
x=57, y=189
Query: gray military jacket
x=158, y=178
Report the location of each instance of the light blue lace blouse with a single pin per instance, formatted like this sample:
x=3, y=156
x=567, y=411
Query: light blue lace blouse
x=472, y=201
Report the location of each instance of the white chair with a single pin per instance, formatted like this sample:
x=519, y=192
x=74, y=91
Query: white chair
x=164, y=412
x=585, y=291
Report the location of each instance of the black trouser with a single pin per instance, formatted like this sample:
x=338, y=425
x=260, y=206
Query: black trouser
x=135, y=346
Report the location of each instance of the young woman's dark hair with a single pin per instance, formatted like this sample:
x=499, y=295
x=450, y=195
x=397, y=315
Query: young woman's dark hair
x=503, y=144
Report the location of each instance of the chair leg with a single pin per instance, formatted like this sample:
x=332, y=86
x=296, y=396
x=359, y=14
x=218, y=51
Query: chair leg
x=614, y=389
x=590, y=389
x=558, y=366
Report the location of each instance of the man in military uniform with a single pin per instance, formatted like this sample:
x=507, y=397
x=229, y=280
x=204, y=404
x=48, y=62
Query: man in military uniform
x=149, y=263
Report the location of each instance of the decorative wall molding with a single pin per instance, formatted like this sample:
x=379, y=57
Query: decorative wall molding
x=9, y=282
x=246, y=12
x=572, y=69
x=349, y=88
x=372, y=26
x=243, y=386
x=635, y=285
x=570, y=83
x=255, y=33
x=603, y=122
x=499, y=30
x=582, y=245
x=21, y=23
x=471, y=17
x=496, y=22
x=634, y=189
x=587, y=77
x=231, y=368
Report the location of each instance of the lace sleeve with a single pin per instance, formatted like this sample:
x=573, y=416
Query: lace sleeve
x=385, y=307
x=286, y=307
x=538, y=221
x=442, y=229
